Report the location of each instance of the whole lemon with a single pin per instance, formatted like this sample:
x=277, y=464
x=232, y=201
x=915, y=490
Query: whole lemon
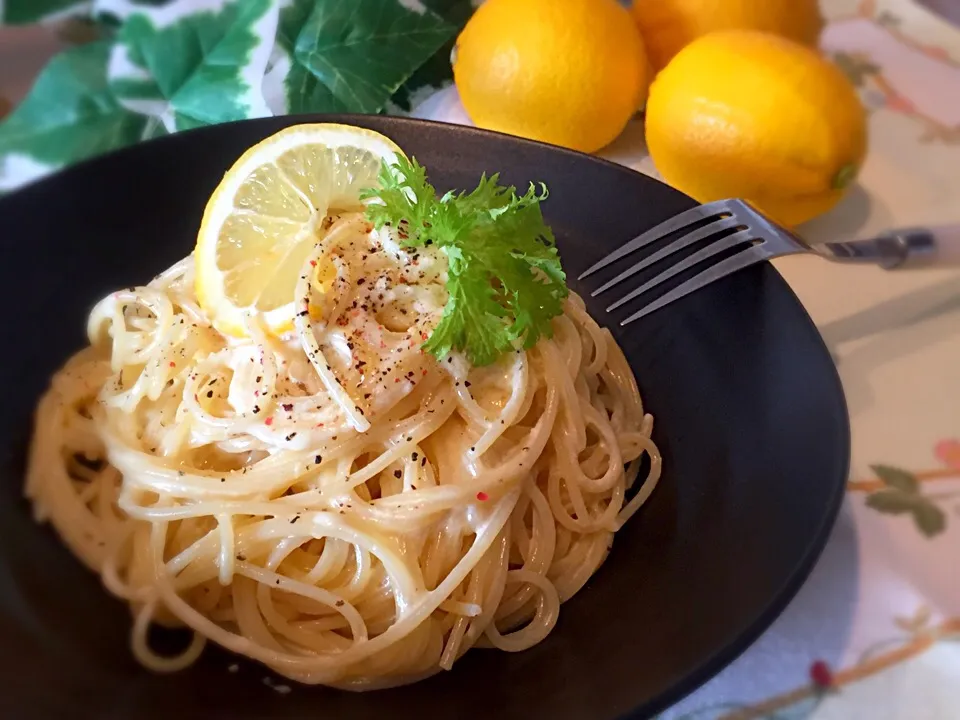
x=750, y=115
x=567, y=72
x=669, y=25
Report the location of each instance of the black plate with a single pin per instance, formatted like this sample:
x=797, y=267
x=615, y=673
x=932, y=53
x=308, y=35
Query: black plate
x=749, y=414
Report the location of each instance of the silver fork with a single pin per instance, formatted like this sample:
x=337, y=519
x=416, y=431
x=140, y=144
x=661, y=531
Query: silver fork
x=753, y=238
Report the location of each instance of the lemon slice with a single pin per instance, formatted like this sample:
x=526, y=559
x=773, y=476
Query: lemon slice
x=265, y=216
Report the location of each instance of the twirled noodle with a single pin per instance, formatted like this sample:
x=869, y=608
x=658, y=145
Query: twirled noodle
x=337, y=504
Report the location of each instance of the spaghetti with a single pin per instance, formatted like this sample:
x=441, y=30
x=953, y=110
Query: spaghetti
x=336, y=503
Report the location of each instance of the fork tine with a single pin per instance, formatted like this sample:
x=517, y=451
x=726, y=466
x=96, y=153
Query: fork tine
x=724, y=243
x=677, y=222
x=679, y=244
x=711, y=274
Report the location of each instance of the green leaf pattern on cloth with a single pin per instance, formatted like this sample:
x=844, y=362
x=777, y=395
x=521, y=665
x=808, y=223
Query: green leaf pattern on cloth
x=857, y=68
x=902, y=496
x=896, y=478
x=170, y=65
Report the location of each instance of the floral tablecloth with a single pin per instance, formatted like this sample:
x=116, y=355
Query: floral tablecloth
x=875, y=632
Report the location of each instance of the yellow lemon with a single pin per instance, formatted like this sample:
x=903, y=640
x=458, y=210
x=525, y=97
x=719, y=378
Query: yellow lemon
x=750, y=115
x=668, y=26
x=267, y=213
x=567, y=72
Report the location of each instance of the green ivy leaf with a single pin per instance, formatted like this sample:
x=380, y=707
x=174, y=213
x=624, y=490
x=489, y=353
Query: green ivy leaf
x=897, y=478
x=113, y=13
x=195, y=62
x=891, y=502
x=306, y=94
x=22, y=12
x=69, y=115
x=929, y=519
x=293, y=16
x=122, y=9
x=179, y=64
x=456, y=12
x=288, y=86
x=362, y=51
x=436, y=73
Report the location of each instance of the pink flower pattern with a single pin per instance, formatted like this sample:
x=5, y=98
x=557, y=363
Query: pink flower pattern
x=948, y=452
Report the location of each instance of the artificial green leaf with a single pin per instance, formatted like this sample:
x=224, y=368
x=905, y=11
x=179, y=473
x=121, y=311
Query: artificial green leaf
x=122, y=9
x=436, y=73
x=364, y=50
x=113, y=13
x=178, y=64
x=306, y=94
x=892, y=502
x=456, y=12
x=288, y=86
x=293, y=16
x=69, y=115
x=22, y=12
x=894, y=477
x=929, y=519
x=195, y=62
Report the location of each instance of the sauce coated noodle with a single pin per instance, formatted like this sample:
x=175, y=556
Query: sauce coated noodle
x=337, y=504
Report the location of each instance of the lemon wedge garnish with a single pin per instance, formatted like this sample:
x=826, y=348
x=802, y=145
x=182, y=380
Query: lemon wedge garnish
x=267, y=213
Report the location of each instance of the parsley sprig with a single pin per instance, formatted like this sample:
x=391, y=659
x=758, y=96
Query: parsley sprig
x=504, y=278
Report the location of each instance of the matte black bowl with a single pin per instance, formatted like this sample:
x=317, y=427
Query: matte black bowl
x=749, y=414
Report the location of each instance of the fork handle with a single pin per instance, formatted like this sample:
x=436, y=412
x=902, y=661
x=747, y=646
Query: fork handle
x=928, y=247
x=903, y=249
